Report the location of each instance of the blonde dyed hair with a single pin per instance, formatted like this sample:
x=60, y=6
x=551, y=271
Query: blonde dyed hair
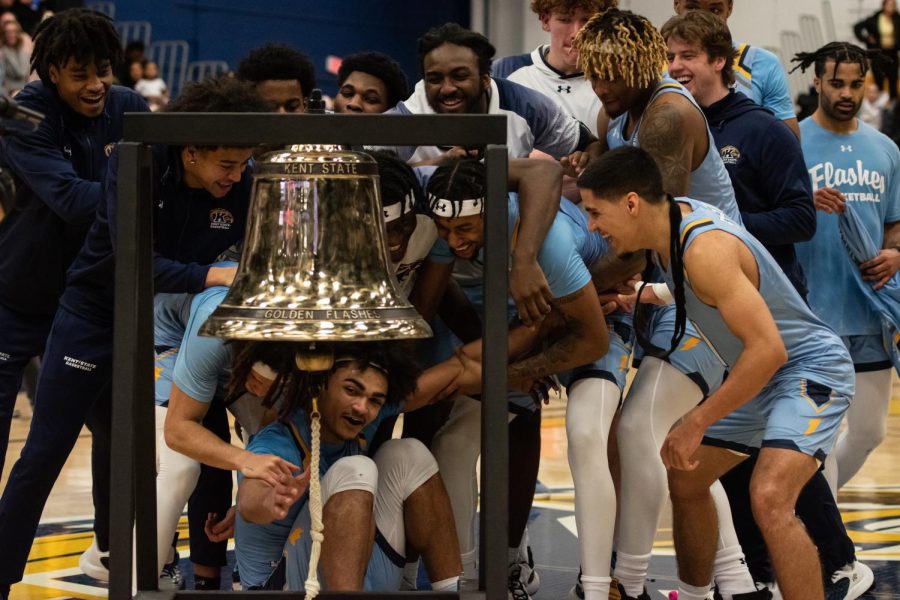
x=619, y=43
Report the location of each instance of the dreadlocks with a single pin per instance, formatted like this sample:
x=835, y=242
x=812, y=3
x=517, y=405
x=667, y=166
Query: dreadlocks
x=618, y=43
x=630, y=169
x=397, y=179
x=297, y=387
x=457, y=181
x=83, y=35
x=839, y=52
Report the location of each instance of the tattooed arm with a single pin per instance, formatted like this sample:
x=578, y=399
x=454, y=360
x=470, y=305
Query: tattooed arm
x=675, y=134
x=584, y=338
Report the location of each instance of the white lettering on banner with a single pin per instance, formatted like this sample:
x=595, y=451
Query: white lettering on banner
x=826, y=175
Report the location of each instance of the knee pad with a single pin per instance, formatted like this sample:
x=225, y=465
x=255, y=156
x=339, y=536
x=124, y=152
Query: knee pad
x=404, y=465
x=350, y=473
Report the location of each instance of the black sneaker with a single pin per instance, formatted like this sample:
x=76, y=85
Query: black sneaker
x=763, y=594
x=171, y=578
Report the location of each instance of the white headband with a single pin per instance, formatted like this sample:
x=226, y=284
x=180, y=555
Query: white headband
x=465, y=208
x=398, y=209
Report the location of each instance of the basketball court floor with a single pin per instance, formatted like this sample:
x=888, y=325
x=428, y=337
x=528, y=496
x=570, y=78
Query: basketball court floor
x=870, y=505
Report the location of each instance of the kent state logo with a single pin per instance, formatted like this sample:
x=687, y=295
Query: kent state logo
x=730, y=155
x=220, y=218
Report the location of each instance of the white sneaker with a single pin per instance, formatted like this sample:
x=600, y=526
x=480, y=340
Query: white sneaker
x=527, y=573
x=850, y=582
x=94, y=563
x=517, y=590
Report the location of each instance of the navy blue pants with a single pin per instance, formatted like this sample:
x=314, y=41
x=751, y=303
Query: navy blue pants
x=22, y=337
x=75, y=377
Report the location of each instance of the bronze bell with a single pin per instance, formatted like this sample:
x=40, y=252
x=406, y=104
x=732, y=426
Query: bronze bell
x=315, y=265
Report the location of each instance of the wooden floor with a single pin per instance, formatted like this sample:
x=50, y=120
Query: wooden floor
x=870, y=505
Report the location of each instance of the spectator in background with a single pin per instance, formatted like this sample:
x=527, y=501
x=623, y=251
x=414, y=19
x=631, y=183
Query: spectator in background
x=369, y=82
x=282, y=76
x=152, y=87
x=881, y=31
x=16, y=58
x=134, y=53
x=874, y=105
x=28, y=13
x=8, y=17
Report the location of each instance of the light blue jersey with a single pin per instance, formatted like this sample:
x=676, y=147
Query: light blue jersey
x=202, y=365
x=177, y=318
x=758, y=74
x=559, y=257
x=710, y=181
x=802, y=405
x=814, y=351
x=259, y=548
x=865, y=167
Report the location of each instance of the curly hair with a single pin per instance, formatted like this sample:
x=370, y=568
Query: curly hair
x=452, y=33
x=83, y=35
x=297, y=387
x=709, y=32
x=220, y=94
x=618, y=43
x=567, y=7
x=278, y=62
x=381, y=66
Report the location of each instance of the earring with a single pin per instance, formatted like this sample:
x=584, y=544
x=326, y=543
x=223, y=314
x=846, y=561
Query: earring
x=193, y=162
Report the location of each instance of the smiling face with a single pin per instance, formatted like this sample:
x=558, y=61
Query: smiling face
x=720, y=8
x=453, y=83
x=840, y=91
x=398, y=233
x=361, y=93
x=464, y=235
x=215, y=171
x=83, y=87
x=614, y=219
x=562, y=28
x=352, y=400
x=692, y=67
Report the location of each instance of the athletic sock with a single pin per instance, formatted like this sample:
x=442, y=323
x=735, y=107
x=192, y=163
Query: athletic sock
x=631, y=570
x=731, y=573
x=451, y=584
x=206, y=583
x=595, y=588
x=692, y=592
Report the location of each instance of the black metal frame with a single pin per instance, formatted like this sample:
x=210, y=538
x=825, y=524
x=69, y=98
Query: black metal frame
x=133, y=482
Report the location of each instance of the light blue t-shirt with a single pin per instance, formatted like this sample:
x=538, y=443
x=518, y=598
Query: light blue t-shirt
x=203, y=363
x=865, y=167
x=259, y=548
x=760, y=75
x=814, y=351
x=559, y=257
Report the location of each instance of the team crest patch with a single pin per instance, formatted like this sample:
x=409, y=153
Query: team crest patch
x=730, y=155
x=219, y=218
x=107, y=149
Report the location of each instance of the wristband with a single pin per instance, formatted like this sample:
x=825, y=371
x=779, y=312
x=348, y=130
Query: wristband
x=661, y=290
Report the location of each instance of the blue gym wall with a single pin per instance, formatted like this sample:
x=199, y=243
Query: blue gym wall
x=228, y=29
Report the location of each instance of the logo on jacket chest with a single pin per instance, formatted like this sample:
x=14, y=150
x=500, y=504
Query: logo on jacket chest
x=220, y=218
x=730, y=155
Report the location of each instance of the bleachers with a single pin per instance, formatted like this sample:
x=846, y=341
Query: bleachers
x=171, y=56
x=199, y=70
x=107, y=8
x=134, y=30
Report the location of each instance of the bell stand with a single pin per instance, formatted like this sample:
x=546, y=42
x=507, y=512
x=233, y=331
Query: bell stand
x=133, y=481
